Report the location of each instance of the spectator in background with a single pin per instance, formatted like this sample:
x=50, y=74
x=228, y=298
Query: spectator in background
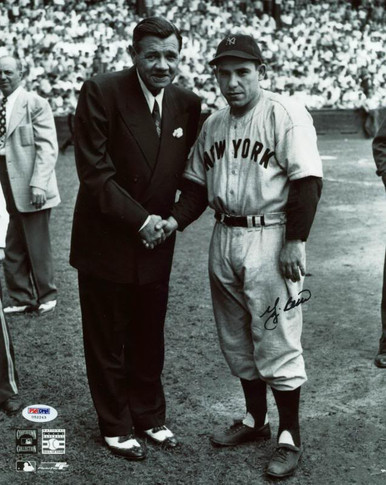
x=379, y=152
x=28, y=152
x=371, y=105
x=325, y=36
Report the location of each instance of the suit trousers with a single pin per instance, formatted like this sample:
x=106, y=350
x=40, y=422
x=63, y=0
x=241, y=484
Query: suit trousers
x=8, y=374
x=28, y=255
x=123, y=333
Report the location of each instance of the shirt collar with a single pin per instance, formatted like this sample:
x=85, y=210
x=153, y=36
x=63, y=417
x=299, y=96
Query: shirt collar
x=150, y=97
x=12, y=97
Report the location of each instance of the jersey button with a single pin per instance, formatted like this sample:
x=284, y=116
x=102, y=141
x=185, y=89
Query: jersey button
x=234, y=172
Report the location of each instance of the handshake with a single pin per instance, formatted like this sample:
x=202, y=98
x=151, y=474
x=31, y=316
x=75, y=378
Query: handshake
x=157, y=230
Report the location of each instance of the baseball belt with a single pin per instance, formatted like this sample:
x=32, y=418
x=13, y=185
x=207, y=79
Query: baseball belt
x=251, y=221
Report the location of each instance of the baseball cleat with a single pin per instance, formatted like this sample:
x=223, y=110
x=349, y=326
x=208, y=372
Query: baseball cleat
x=240, y=433
x=284, y=461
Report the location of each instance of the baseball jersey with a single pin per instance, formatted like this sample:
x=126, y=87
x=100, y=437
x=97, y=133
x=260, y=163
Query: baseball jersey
x=246, y=162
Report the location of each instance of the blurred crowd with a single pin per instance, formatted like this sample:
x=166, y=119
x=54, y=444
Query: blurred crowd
x=327, y=54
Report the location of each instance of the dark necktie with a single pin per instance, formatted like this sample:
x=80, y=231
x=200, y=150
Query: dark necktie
x=3, y=126
x=157, y=117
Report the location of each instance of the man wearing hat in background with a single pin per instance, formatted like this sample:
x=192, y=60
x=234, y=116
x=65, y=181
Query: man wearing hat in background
x=257, y=164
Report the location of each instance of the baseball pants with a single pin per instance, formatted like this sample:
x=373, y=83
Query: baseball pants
x=258, y=337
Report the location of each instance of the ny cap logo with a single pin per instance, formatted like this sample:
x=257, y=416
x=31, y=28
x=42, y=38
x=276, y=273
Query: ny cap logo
x=231, y=41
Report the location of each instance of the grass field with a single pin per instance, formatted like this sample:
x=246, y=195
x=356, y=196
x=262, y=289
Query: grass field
x=343, y=411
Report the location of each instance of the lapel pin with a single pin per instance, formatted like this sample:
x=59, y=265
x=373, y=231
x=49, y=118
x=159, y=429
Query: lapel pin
x=178, y=132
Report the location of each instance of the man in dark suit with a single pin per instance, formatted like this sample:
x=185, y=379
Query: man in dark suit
x=133, y=132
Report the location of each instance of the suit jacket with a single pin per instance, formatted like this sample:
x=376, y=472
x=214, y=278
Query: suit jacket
x=31, y=151
x=127, y=172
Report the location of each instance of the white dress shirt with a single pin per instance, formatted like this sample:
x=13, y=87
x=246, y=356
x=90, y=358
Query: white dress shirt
x=150, y=97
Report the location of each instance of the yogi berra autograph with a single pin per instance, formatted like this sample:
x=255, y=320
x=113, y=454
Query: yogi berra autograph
x=272, y=314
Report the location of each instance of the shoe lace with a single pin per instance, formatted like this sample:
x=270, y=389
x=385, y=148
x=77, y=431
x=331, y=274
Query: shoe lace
x=280, y=454
x=236, y=426
x=159, y=428
x=127, y=437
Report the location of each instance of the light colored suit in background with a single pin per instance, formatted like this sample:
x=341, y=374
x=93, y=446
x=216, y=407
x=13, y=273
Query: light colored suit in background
x=31, y=152
x=4, y=219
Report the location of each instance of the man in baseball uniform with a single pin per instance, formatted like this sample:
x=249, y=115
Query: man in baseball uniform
x=257, y=164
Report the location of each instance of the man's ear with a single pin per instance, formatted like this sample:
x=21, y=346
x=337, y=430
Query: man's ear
x=262, y=70
x=132, y=53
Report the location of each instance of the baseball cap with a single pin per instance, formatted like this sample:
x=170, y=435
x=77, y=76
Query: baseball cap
x=238, y=45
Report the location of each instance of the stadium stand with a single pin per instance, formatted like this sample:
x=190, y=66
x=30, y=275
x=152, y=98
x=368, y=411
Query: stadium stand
x=326, y=54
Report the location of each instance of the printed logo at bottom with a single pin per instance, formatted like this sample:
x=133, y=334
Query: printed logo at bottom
x=25, y=466
x=26, y=441
x=53, y=441
x=52, y=466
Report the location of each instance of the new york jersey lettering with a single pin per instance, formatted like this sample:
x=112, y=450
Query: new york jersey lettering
x=242, y=148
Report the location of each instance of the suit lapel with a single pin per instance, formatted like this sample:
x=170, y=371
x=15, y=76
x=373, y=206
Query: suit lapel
x=18, y=112
x=137, y=117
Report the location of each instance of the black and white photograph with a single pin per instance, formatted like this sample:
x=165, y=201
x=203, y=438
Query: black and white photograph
x=192, y=242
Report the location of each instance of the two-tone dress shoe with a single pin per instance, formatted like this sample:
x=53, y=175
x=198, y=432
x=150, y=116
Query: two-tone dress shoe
x=284, y=460
x=161, y=435
x=240, y=433
x=18, y=309
x=126, y=446
x=380, y=360
x=12, y=405
x=47, y=306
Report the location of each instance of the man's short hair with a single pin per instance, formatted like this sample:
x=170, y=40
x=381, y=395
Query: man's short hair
x=19, y=65
x=157, y=26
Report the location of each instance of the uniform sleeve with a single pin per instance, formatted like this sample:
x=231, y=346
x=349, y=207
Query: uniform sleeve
x=297, y=152
x=303, y=198
x=379, y=151
x=191, y=204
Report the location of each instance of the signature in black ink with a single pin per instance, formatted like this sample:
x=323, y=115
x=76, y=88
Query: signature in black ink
x=272, y=314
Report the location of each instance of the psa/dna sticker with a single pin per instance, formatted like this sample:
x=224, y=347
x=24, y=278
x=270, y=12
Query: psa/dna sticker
x=39, y=413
